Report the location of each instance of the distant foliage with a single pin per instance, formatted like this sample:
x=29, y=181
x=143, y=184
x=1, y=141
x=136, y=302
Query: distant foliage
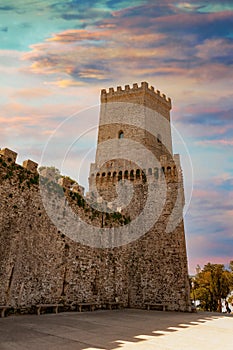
x=211, y=284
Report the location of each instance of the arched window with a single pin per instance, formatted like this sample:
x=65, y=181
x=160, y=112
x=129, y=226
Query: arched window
x=138, y=174
x=126, y=174
x=144, y=175
x=159, y=138
x=121, y=135
x=149, y=171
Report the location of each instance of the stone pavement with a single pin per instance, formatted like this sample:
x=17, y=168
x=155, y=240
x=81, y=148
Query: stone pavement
x=117, y=329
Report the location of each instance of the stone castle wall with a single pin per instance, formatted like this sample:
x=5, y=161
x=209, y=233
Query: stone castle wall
x=124, y=240
x=39, y=264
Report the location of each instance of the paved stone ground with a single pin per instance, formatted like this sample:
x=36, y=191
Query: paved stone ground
x=117, y=329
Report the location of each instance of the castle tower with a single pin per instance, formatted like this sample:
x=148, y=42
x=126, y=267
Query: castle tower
x=140, y=114
x=136, y=173
x=134, y=138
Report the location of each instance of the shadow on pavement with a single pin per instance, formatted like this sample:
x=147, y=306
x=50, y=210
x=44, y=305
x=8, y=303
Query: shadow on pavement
x=92, y=330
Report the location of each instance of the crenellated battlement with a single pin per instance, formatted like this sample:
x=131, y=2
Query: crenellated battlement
x=119, y=92
x=9, y=157
x=8, y=161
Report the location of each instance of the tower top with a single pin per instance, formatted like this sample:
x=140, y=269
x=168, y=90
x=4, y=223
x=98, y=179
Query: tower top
x=135, y=94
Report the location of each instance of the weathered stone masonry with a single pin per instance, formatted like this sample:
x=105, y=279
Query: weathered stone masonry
x=39, y=264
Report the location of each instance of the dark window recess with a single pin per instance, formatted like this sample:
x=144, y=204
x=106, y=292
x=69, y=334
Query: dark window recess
x=121, y=135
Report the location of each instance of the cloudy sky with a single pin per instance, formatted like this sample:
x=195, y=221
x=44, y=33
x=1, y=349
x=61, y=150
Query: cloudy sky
x=56, y=55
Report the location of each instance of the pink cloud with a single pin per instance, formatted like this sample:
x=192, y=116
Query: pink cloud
x=33, y=93
x=200, y=193
x=64, y=83
x=120, y=49
x=214, y=48
x=191, y=19
x=80, y=59
x=210, y=72
x=218, y=142
x=204, y=248
x=201, y=109
x=195, y=260
x=195, y=131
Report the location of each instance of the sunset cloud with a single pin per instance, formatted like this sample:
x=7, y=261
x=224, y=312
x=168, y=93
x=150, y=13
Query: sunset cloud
x=211, y=212
x=64, y=83
x=102, y=51
x=32, y=93
x=216, y=142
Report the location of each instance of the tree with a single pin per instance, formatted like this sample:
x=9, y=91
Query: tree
x=212, y=284
x=231, y=266
x=230, y=299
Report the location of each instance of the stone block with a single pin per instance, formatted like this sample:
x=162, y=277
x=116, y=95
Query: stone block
x=8, y=155
x=30, y=165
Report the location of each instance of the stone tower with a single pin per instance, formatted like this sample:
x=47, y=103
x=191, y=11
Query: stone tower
x=140, y=115
x=136, y=173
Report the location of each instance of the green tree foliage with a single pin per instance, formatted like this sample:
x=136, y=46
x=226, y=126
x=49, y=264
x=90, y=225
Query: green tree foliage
x=211, y=284
x=231, y=265
x=230, y=300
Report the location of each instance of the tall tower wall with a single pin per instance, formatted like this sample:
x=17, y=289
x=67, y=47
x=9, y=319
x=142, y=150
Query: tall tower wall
x=136, y=173
x=140, y=113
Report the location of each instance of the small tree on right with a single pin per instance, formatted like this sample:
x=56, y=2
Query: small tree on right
x=212, y=284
